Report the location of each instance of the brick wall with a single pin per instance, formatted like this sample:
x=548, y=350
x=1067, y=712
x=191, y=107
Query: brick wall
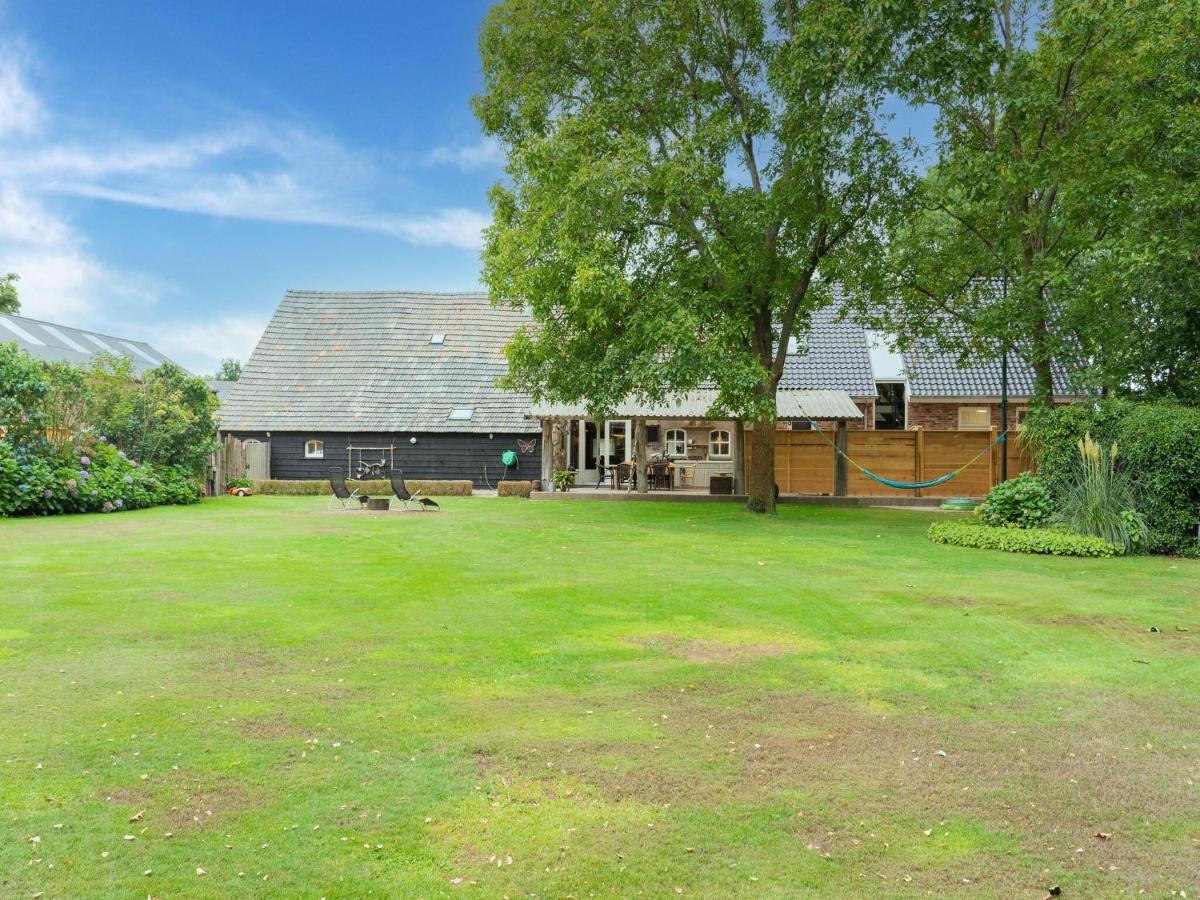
x=944, y=416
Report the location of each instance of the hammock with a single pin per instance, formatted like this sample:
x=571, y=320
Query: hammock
x=908, y=485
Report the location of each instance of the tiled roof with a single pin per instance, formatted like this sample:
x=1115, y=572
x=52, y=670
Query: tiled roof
x=61, y=343
x=832, y=356
x=935, y=373
x=366, y=361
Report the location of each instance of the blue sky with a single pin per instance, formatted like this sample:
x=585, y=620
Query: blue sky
x=167, y=170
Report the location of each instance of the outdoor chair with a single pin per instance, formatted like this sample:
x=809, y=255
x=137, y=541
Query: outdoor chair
x=405, y=496
x=342, y=495
x=687, y=475
x=660, y=476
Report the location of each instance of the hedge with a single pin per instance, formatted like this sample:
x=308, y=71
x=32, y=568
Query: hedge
x=377, y=488
x=1159, y=443
x=514, y=488
x=1019, y=540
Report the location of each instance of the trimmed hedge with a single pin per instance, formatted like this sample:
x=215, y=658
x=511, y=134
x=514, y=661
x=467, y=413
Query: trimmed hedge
x=1019, y=540
x=375, y=488
x=514, y=488
x=1159, y=444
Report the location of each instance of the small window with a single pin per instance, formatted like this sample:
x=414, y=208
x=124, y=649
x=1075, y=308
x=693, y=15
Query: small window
x=889, y=405
x=314, y=449
x=718, y=442
x=974, y=418
x=437, y=339
x=653, y=434
x=1021, y=418
x=676, y=442
x=462, y=415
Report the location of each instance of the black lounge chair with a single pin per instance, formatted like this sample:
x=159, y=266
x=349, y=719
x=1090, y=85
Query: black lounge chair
x=400, y=489
x=342, y=495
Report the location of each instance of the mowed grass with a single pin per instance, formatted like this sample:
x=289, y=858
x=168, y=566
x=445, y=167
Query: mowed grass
x=261, y=698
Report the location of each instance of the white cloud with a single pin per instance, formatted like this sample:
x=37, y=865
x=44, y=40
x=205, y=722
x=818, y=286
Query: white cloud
x=487, y=152
x=246, y=167
x=21, y=112
x=200, y=346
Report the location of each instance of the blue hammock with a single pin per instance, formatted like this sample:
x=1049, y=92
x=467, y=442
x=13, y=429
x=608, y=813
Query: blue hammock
x=908, y=485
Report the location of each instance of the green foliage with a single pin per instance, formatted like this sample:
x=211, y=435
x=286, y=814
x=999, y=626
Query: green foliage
x=230, y=370
x=686, y=180
x=10, y=302
x=1098, y=262
x=24, y=388
x=1020, y=540
x=1159, y=444
x=1099, y=499
x=242, y=482
x=1023, y=502
x=165, y=417
x=90, y=477
x=564, y=479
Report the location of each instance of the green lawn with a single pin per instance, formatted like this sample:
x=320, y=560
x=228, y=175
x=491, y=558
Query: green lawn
x=519, y=698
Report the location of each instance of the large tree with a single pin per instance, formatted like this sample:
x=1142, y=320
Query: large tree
x=1034, y=169
x=686, y=179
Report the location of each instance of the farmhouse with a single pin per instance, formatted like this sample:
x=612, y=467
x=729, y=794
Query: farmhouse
x=374, y=380
x=370, y=381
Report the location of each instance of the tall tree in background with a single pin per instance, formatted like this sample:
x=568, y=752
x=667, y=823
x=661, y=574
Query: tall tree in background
x=1144, y=284
x=1030, y=178
x=230, y=370
x=9, y=301
x=687, y=177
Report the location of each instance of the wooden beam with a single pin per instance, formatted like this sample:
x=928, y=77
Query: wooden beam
x=841, y=441
x=739, y=457
x=547, y=455
x=640, y=455
x=919, y=458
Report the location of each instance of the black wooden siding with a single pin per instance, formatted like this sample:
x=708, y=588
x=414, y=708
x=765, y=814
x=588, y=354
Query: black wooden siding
x=440, y=456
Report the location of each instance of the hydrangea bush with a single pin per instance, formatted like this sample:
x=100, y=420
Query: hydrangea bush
x=38, y=480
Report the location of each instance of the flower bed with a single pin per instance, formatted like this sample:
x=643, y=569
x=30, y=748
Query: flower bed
x=377, y=488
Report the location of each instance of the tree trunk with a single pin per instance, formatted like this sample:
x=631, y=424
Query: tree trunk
x=760, y=484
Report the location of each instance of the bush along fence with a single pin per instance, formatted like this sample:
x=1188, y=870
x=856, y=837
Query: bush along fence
x=1159, y=451
x=92, y=476
x=1020, y=540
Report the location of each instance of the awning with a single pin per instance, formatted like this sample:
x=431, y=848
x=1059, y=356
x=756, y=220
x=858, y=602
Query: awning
x=825, y=405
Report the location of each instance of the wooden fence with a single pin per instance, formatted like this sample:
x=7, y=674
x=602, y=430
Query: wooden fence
x=805, y=463
x=237, y=459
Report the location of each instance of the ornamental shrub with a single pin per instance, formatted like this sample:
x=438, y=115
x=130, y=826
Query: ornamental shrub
x=1022, y=502
x=1020, y=540
x=94, y=477
x=1159, y=446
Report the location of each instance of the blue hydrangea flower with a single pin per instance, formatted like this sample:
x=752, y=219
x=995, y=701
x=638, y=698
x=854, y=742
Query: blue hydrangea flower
x=103, y=439
x=85, y=474
x=119, y=503
x=121, y=453
x=22, y=488
x=83, y=460
x=47, y=493
x=129, y=479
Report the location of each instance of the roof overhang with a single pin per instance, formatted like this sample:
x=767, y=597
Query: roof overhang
x=825, y=405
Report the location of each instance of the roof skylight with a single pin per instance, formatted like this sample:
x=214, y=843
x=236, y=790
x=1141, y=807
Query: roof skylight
x=437, y=339
x=462, y=414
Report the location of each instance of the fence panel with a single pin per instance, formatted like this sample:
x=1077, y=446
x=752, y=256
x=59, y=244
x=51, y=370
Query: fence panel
x=947, y=450
x=892, y=454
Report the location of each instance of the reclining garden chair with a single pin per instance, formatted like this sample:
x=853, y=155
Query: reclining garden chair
x=400, y=489
x=341, y=494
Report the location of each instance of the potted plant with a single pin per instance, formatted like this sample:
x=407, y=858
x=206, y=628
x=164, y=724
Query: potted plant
x=240, y=487
x=563, y=479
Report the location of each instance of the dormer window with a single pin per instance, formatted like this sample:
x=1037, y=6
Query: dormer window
x=437, y=339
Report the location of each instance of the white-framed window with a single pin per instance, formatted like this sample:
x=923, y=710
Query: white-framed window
x=314, y=449
x=675, y=443
x=718, y=442
x=974, y=418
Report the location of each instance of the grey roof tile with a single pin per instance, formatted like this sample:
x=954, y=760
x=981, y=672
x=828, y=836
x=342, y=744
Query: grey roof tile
x=363, y=361
x=832, y=356
x=932, y=372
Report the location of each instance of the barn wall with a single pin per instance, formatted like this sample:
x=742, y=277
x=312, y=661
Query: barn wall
x=434, y=456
